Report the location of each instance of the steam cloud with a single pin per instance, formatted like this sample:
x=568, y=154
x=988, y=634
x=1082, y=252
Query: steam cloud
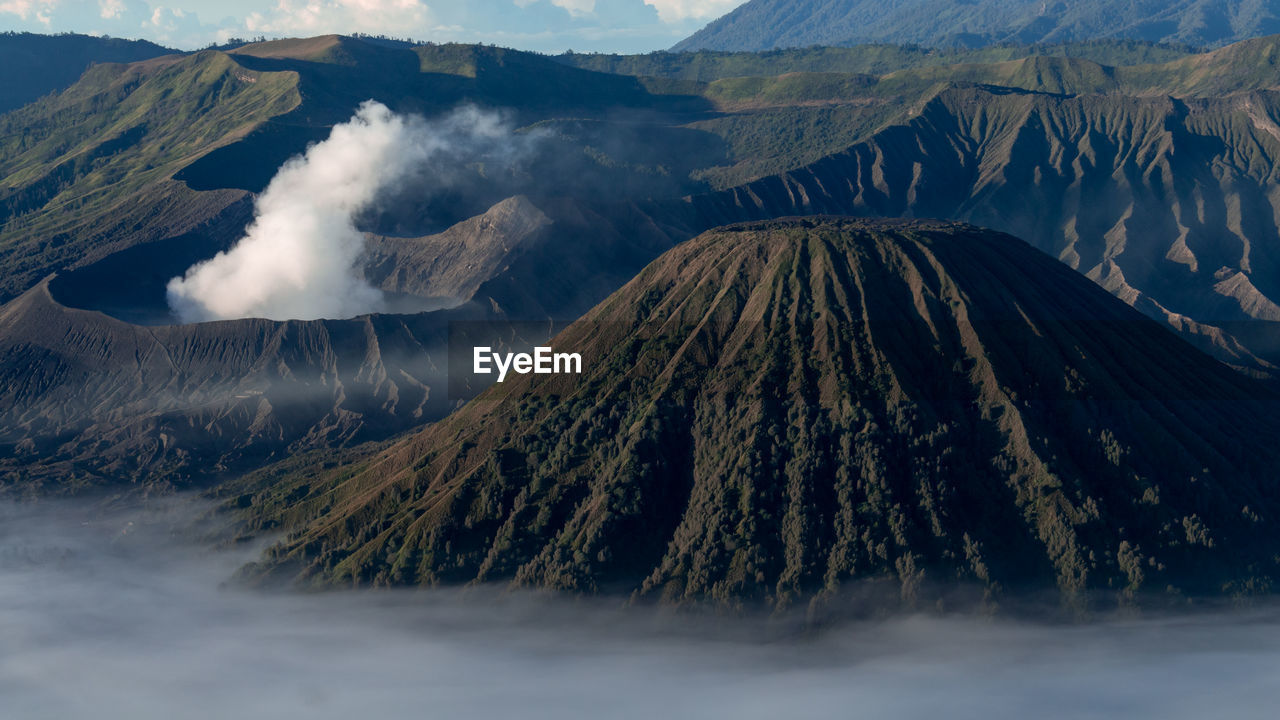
x=111, y=617
x=298, y=258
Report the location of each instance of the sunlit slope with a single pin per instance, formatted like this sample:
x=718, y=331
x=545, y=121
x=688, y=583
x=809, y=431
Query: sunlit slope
x=36, y=65
x=772, y=411
x=89, y=171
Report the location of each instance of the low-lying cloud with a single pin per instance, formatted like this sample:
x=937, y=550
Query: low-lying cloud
x=113, y=617
x=297, y=260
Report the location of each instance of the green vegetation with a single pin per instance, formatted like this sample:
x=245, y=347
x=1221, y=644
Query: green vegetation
x=36, y=65
x=91, y=167
x=765, y=141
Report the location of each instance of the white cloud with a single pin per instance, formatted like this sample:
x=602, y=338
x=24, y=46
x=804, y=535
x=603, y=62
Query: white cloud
x=677, y=10
x=110, y=9
x=317, y=17
x=576, y=7
x=169, y=20
x=21, y=8
x=41, y=10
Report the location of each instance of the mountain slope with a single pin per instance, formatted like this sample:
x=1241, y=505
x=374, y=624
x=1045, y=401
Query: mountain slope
x=136, y=153
x=769, y=24
x=770, y=412
x=90, y=170
x=91, y=399
x=36, y=65
x=1160, y=200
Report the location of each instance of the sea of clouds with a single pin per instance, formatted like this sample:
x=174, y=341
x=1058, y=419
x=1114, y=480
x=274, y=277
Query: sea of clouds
x=114, y=615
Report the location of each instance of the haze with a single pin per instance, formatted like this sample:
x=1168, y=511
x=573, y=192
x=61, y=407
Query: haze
x=113, y=618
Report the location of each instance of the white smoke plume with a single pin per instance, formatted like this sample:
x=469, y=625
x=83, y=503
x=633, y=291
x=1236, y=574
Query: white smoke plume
x=297, y=260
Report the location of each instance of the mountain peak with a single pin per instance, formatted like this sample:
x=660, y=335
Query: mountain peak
x=775, y=411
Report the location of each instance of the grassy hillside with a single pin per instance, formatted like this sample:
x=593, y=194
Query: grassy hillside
x=88, y=171
x=36, y=65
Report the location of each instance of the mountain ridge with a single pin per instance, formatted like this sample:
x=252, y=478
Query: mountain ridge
x=771, y=24
x=1010, y=160
x=37, y=65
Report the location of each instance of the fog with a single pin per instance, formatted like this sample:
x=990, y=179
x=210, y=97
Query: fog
x=298, y=258
x=112, y=614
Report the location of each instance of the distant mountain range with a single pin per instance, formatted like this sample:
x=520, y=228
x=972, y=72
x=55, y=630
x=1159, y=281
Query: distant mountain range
x=769, y=24
x=773, y=411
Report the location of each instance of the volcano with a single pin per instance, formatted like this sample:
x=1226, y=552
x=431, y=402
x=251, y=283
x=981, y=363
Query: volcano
x=773, y=412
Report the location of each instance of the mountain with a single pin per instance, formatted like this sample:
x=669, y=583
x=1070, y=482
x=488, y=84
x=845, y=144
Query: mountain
x=1155, y=180
x=1146, y=195
x=769, y=24
x=139, y=171
x=773, y=412
x=36, y=65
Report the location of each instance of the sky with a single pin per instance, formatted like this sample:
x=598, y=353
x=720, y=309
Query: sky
x=628, y=26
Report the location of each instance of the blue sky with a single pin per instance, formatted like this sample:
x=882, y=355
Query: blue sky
x=544, y=25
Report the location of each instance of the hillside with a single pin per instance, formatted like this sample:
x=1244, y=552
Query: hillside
x=89, y=171
x=771, y=24
x=36, y=65
x=1147, y=196
x=773, y=412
